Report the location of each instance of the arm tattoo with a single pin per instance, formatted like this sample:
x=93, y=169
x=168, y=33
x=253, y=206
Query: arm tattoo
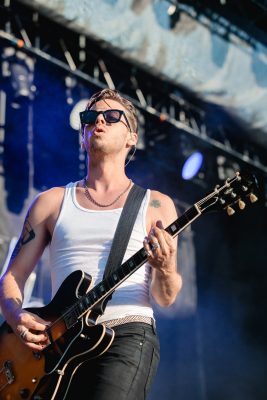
x=27, y=235
x=155, y=203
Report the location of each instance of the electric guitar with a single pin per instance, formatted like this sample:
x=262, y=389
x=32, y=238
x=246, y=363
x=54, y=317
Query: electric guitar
x=74, y=334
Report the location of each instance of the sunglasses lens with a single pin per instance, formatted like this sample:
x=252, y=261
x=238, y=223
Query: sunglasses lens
x=88, y=117
x=112, y=116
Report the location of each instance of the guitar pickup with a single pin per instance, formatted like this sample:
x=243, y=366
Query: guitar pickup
x=9, y=372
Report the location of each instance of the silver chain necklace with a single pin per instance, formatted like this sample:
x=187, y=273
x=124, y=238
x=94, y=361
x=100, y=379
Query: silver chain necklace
x=90, y=198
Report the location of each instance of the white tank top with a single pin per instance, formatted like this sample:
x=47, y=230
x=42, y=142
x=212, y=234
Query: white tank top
x=82, y=240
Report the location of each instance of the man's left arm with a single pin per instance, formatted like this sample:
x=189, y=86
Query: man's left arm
x=162, y=249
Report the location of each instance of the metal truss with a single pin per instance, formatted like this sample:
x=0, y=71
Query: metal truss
x=245, y=19
x=94, y=63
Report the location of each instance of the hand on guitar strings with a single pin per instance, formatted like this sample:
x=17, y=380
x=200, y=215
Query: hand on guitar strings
x=31, y=329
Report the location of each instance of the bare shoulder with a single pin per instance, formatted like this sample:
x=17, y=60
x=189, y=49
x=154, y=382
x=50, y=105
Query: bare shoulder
x=161, y=206
x=159, y=199
x=51, y=195
x=49, y=198
x=46, y=204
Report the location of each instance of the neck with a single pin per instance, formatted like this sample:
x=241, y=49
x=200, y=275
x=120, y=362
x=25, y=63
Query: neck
x=105, y=175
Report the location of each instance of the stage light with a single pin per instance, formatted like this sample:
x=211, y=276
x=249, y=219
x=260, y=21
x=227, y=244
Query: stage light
x=226, y=167
x=192, y=165
x=19, y=67
x=172, y=9
x=74, y=115
x=174, y=14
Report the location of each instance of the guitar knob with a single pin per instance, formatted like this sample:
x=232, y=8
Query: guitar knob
x=24, y=393
x=241, y=204
x=230, y=210
x=253, y=198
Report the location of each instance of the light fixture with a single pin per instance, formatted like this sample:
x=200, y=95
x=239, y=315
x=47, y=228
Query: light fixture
x=171, y=10
x=192, y=165
x=226, y=167
x=19, y=67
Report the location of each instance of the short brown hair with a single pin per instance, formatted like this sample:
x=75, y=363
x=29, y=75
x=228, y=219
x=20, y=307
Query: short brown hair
x=115, y=95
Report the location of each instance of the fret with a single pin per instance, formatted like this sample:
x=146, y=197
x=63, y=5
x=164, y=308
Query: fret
x=102, y=289
x=182, y=221
x=120, y=272
x=172, y=229
x=126, y=268
x=97, y=291
x=94, y=294
x=131, y=264
x=143, y=254
x=140, y=256
x=87, y=300
x=115, y=277
x=111, y=281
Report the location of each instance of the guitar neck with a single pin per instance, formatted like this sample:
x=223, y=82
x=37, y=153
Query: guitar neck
x=107, y=286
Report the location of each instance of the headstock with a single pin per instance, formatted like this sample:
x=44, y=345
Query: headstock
x=234, y=192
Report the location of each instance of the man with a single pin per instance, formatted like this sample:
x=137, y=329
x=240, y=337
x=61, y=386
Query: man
x=78, y=222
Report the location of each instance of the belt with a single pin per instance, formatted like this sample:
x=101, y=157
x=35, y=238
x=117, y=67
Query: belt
x=128, y=319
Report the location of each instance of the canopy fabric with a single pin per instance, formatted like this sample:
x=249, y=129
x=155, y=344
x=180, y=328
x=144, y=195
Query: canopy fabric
x=198, y=54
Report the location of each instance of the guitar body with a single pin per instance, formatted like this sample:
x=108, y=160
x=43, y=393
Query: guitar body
x=47, y=375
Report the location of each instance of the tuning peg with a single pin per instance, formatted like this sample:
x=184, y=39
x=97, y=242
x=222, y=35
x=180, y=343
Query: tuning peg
x=241, y=204
x=253, y=198
x=230, y=210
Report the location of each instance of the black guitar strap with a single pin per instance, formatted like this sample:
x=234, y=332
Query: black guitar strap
x=123, y=231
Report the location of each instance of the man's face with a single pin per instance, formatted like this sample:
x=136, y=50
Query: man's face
x=104, y=136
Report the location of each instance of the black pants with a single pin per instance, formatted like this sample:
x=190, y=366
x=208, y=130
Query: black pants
x=125, y=371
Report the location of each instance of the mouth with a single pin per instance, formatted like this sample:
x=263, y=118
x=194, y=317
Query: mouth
x=98, y=131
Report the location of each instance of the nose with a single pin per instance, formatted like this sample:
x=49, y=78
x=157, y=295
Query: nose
x=100, y=119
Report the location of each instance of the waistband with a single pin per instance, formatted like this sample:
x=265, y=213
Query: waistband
x=128, y=319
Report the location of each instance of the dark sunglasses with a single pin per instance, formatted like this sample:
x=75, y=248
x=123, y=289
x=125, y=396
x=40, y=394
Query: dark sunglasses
x=88, y=117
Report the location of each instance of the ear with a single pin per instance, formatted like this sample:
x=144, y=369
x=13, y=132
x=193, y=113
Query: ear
x=132, y=140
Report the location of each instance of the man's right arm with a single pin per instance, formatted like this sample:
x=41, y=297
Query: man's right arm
x=34, y=238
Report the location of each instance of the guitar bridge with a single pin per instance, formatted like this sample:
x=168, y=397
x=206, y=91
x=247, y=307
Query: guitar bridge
x=8, y=372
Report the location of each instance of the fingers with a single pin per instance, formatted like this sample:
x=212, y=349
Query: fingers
x=23, y=334
x=151, y=245
x=159, y=242
x=34, y=340
x=32, y=330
